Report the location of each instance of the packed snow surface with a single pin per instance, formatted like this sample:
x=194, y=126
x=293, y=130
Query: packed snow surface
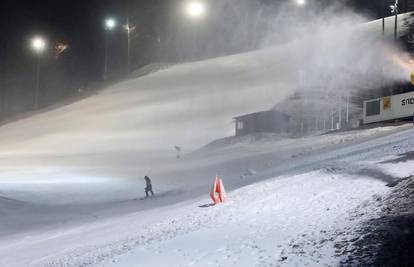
x=293, y=219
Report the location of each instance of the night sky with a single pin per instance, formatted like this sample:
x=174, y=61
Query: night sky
x=79, y=23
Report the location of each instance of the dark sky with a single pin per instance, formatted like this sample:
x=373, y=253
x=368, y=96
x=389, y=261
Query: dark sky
x=80, y=24
x=77, y=22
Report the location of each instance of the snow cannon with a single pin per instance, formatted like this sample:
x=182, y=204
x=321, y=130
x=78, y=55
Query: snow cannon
x=218, y=193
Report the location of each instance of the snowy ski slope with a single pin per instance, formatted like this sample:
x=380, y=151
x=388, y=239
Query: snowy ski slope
x=69, y=178
x=294, y=219
x=131, y=129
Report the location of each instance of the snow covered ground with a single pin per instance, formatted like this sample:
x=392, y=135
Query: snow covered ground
x=386, y=235
x=293, y=219
x=28, y=205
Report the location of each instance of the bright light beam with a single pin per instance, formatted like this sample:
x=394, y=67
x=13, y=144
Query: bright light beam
x=110, y=24
x=38, y=44
x=196, y=9
x=300, y=2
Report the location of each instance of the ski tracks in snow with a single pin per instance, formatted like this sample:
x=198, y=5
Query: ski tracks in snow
x=292, y=220
x=268, y=224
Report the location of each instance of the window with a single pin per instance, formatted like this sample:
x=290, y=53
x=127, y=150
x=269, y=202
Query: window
x=240, y=125
x=373, y=108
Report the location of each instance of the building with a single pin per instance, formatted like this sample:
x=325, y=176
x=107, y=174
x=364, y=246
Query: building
x=389, y=108
x=270, y=121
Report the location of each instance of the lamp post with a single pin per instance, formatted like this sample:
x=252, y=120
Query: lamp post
x=39, y=46
x=383, y=16
x=110, y=24
x=129, y=29
x=195, y=10
x=394, y=9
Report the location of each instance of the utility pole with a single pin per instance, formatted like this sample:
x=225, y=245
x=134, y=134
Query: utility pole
x=38, y=46
x=383, y=16
x=340, y=115
x=110, y=24
x=128, y=29
x=105, y=74
x=396, y=26
x=347, y=109
x=395, y=9
x=3, y=78
x=36, y=97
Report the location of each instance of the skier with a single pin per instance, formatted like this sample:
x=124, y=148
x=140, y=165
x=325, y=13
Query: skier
x=148, y=188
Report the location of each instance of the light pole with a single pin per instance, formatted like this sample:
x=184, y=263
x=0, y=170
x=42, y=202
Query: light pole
x=394, y=9
x=383, y=16
x=347, y=109
x=39, y=46
x=110, y=24
x=129, y=29
x=195, y=10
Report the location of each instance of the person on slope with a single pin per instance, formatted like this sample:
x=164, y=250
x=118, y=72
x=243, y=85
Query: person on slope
x=148, y=188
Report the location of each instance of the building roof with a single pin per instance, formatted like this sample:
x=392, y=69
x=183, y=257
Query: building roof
x=261, y=112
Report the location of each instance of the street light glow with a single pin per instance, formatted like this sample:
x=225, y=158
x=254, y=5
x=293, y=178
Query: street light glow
x=110, y=24
x=300, y=2
x=38, y=44
x=196, y=9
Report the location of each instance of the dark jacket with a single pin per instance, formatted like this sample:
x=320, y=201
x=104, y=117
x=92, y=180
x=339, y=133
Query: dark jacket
x=148, y=181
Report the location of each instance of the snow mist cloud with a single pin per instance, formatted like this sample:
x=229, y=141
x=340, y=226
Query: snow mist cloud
x=337, y=49
x=135, y=125
x=331, y=51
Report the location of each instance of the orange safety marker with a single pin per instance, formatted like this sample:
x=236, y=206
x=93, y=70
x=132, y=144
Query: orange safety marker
x=218, y=193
